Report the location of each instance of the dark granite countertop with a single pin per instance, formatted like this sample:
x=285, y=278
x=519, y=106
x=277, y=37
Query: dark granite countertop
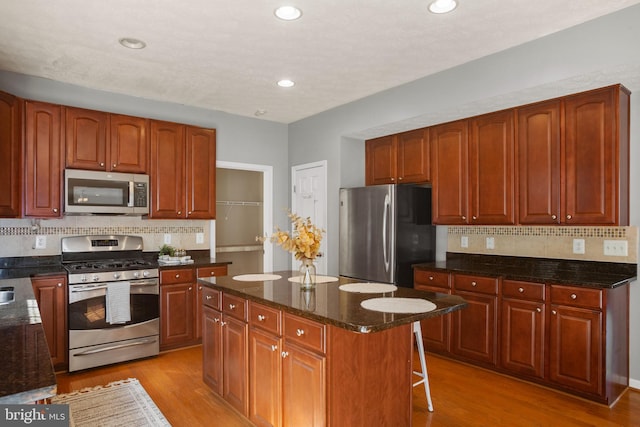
x=28, y=374
x=329, y=305
x=590, y=274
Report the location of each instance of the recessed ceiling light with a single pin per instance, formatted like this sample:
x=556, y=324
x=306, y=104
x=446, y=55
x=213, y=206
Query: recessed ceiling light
x=442, y=6
x=132, y=43
x=286, y=83
x=288, y=13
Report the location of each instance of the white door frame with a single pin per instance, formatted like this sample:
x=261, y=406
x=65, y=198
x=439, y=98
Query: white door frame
x=294, y=170
x=267, y=205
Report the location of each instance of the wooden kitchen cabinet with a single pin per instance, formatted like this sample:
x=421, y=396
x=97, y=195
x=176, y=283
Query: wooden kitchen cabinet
x=522, y=328
x=51, y=296
x=574, y=159
x=182, y=172
x=128, y=144
x=491, y=168
x=10, y=155
x=43, y=152
x=235, y=353
x=398, y=159
x=212, y=271
x=435, y=331
x=177, y=305
x=474, y=332
x=212, y=356
x=450, y=172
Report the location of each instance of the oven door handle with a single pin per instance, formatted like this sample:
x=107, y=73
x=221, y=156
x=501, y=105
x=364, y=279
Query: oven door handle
x=116, y=347
x=88, y=288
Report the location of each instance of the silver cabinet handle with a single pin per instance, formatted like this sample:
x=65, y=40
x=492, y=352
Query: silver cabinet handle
x=553, y=217
x=568, y=216
x=521, y=290
x=474, y=284
x=55, y=210
x=59, y=285
x=299, y=332
x=213, y=273
x=554, y=312
x=223, y=323
x=177, y=276
x=101, y=164
x=208, y=297
x=430, y=277
x=539, y=310
x=232, y=306
x=284, y=354
x=574, y=296
x=464, y=217
x=216, y=320
x=190, y=288
x=261, y=317
x=179, y=212
x=274, y=347
x=474, y=217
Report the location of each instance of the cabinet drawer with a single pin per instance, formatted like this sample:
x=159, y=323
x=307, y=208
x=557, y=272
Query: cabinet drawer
x=523, y=290
x=305, y=332
x=431, y=278
x=220, y=270
x=183, y=275
x=577, y=297
x=484, y=285
x=211, y=298
x=267, y=318
x=234, y=306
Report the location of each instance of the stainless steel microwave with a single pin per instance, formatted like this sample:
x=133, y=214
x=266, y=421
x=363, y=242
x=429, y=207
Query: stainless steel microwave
x=95, y=192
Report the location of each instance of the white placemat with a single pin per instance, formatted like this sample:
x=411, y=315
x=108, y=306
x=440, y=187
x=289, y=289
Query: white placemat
x=368, y=288
x=256, y=277
x=319, y=279
x=398, y=305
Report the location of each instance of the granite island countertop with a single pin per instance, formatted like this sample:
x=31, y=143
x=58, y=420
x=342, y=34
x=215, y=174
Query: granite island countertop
x=330, y=305
x=592, y=274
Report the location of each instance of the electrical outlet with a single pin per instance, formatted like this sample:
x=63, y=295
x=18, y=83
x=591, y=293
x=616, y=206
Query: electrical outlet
x=464, y=241
x=616, y=248
x=41, y=242
x=199, y=238
x=167, y=239
x=578, y=246
x=491, y=243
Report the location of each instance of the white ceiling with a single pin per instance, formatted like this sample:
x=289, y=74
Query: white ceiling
x=228, y=55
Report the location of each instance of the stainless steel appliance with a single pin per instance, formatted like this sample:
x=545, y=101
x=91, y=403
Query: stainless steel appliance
x=96, y=192
x=95, y=264
x=384, y=230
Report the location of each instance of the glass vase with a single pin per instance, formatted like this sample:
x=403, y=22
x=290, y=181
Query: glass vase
x=307, y=274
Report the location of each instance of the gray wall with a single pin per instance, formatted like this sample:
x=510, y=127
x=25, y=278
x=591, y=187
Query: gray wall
x=598, y=53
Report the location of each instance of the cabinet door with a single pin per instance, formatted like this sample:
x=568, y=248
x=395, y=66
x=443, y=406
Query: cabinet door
x=212, y=349
x=414, y=157
x=265, y=378
x=381, y=160
x=491, y=172
x=86, y=138
x=176, y=314
x=435, y=331
x=167, y=170
x=200, y=173
x=575, y=348
x=304, y=387
x=10, y=156
x=591, y=147
x=236, y=364
x=51, y=296
x=474, y=329
x=129, y=145
x=43, y=160
x=523, y=337
x=449, y=174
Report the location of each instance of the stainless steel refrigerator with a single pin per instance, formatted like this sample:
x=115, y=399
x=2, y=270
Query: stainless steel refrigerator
x=384, y=230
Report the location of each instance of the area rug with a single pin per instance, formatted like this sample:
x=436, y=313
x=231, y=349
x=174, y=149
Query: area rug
x=120, y=403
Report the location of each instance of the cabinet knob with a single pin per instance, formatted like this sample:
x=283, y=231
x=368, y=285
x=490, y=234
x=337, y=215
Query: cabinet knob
x=554, y=217
x=213, y=273
x=223, y=323
x=430, y=277
x=55, y=210
x=216, y=320
x=177, y=276
x=208, y=297
x=179, y=212
x=474, y=217
x=284, y=354
x=474, y=284
x=199, y=288
x=114, y=165
x=261, y=317
x=299, y=332
x=568, y=216
x=399, y=178
x=232, y=306
x=539, y=310
x=189, y=213
x=59, y=285
x=274, y=347
x=574, y=296
x=190, y=288
x=101, y=164
x=554, y=312
x=521, y=290
x=464, y=217
x=393, y=179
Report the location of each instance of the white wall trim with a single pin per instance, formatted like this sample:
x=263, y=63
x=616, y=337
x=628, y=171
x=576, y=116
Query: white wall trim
x=634, y=383
x=267, y=203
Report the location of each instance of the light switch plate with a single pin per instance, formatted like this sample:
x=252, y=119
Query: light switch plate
x=199, y=238
x=491, y=243
x=616, y=248
x=41, y=242
x=578, y=246
x=167, y=239
x=464, y=241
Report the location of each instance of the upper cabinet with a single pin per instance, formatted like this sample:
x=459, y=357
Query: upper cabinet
x=574, y=159
x=10, y=156
x=43, y=160
x=101, y=141
x=183, y=163
x=398, y=159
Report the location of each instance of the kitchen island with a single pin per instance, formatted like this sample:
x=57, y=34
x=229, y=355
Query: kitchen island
x=281, y=355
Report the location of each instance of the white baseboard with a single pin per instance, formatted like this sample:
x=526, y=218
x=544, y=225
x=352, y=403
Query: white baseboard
x=634, y=383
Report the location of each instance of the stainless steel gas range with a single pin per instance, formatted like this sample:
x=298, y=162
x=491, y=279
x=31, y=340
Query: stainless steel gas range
x=114, y=300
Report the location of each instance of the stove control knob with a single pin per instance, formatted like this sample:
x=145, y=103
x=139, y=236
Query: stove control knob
x=136, y=274
x=145, y=273
x=84, y=278
x=95, y=278
x=116, y=275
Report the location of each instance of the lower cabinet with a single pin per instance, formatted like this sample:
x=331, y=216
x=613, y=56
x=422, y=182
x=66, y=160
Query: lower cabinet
x=435, y=331
x=51, y=296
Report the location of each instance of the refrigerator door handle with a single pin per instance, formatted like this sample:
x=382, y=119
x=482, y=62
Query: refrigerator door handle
x=385, y=232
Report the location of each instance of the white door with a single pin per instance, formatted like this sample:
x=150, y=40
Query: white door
x=309, y=199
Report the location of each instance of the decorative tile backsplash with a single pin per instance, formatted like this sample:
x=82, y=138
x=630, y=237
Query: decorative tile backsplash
x=18, y=236
x=543, y=241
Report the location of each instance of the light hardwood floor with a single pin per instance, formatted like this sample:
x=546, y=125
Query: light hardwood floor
x=462, y=396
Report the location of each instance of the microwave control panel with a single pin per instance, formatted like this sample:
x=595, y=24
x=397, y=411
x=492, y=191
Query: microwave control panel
x=140, y=194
